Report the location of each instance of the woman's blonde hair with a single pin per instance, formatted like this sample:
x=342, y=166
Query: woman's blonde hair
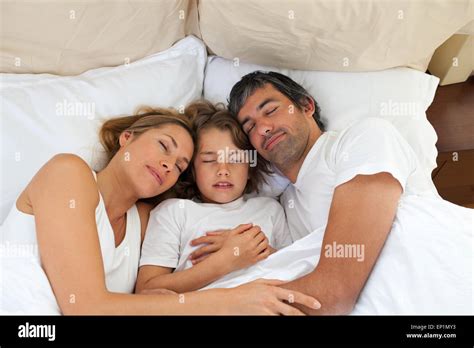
x=144, y=119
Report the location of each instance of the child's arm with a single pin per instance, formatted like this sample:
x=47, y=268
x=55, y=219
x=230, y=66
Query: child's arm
x=242, y=248
x=194, y=278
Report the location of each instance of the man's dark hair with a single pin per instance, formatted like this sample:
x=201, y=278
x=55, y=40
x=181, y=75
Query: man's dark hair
x=243, y=89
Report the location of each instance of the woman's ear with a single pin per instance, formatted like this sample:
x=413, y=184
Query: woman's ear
x=125, y=137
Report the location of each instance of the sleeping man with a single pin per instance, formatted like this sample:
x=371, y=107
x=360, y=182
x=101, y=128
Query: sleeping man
x=366, y=240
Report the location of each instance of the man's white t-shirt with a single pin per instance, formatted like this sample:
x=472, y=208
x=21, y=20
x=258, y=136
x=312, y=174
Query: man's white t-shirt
x=174, y=223
x=369, y=147
x=426, y=264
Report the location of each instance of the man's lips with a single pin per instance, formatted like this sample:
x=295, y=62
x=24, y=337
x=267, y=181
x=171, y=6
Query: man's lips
x=275, y=139
x=223, y=185
x=155, y=174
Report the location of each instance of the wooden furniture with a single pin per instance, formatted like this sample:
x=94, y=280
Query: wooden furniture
x=452, y=116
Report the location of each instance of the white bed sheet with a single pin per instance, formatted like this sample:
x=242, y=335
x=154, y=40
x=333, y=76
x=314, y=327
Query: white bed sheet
x=425, y=266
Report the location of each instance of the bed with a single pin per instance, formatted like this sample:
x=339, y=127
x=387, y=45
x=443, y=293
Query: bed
x=66, y=71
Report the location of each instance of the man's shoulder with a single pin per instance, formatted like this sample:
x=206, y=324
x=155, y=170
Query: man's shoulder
x=367, y=125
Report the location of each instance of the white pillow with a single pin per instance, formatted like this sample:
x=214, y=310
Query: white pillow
x=42, y=115
x=400, y=95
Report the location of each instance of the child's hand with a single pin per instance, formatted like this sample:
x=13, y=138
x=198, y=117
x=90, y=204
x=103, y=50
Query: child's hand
x=242, y=247
x=246, y=248
x=214, y=242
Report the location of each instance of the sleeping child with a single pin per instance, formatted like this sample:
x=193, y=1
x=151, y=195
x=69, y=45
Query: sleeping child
x=224, y=170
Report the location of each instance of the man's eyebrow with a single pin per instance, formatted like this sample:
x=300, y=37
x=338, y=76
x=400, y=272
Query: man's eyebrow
x=207, y=153
x=265, y=102
x=172, y=139
x=259, y=107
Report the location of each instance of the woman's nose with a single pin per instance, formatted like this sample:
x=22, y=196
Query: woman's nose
x=166, y=166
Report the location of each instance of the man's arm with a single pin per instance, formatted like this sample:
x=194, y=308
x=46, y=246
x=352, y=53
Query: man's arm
x=360, y=219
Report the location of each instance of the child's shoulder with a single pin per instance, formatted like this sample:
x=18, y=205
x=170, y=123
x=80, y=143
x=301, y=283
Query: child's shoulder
x=172, y=204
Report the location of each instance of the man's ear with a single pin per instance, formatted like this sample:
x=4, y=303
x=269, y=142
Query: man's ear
x=309, y=107
x=125, y=137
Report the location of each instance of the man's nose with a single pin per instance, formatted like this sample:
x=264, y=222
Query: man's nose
x=264, y=127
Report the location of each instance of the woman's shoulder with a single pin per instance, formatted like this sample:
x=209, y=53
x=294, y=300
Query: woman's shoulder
x=64, y=171
x=67, y=161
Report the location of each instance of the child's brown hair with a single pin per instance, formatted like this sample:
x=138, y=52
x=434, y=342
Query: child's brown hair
x=205, y=115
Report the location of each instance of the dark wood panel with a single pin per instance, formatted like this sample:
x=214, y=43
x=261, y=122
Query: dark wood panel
x=454, y=176
x=452, y=116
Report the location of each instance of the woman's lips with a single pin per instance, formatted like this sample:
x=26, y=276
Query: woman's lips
x=273, y=141
x=223, y=185
x=155, y=174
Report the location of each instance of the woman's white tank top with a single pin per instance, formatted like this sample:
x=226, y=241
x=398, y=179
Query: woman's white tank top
x=24, y=286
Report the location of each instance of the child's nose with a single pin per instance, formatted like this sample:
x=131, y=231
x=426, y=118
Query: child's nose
x=223, y=170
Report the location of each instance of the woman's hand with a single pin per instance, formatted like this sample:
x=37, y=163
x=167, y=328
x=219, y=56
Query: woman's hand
x=264, y=297
x=217, y=239
x=238, y=248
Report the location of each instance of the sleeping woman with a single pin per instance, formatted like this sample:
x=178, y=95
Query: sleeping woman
x=220, y=176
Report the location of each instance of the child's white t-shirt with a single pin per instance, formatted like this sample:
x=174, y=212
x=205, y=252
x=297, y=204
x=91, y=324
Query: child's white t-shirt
x=174, y=223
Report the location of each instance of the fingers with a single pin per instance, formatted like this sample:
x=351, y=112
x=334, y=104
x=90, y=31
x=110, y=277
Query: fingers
x=215, y=233
x=259, y=238
x=262, y=246
x=292, y=296
x=196, y=261
x=274, y=282
x=263, y=255
x=203, y=250
x=203, y=239
x=157, y=292
x=286, y=309
x=241, y=228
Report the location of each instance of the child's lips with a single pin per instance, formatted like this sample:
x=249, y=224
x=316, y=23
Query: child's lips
x=223, y=185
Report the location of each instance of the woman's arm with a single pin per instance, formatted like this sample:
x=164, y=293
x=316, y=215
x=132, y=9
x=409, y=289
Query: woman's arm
x=242, y=248
x=64, y=197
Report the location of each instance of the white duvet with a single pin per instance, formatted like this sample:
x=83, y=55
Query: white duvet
x=425, y=271
x=425, y=267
